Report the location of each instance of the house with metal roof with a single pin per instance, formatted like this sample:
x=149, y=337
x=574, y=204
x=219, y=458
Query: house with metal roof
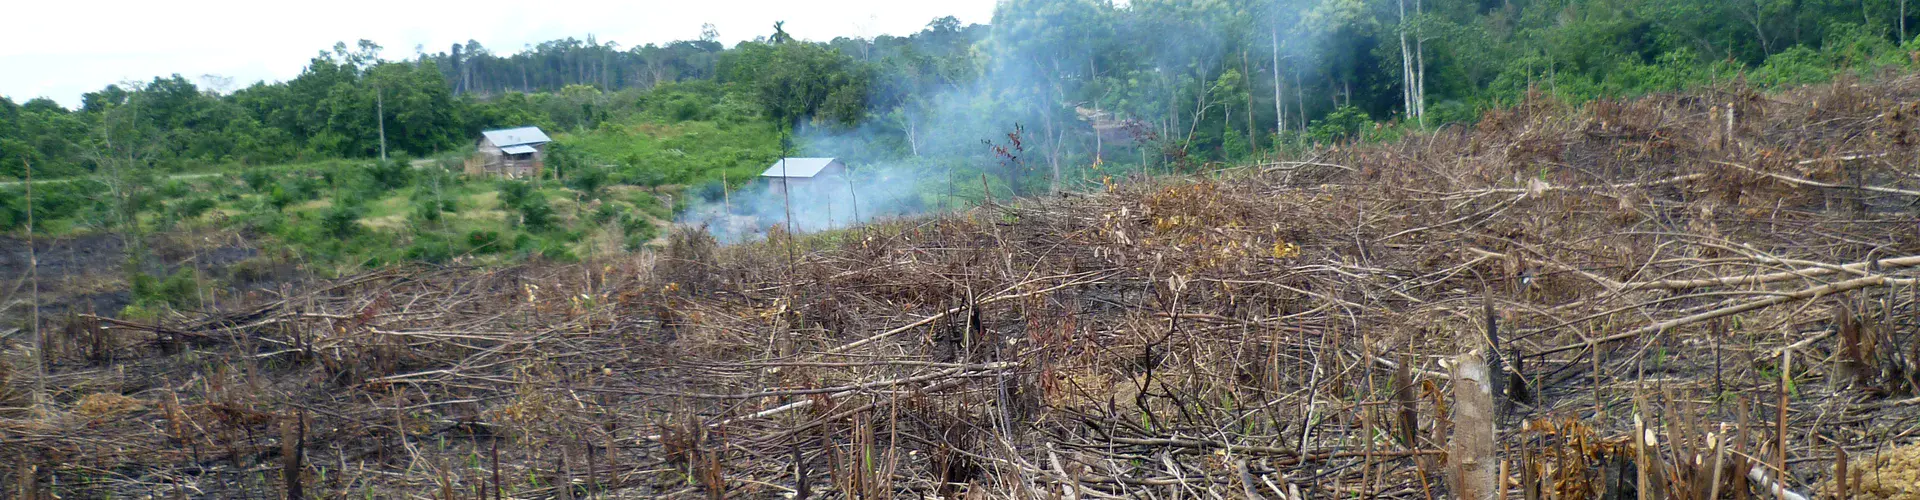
x=797, y=173
x=514, y=152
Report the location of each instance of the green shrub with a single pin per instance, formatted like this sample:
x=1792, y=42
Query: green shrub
x=341, y=222
x=429, y=248
x=1342, y=124
x=606, y=213
x=278, y=198
x=388, y=175
x=556, y=250
x=173, y=189
x=257, y=180
x=193, y=208
x=426, y=213
x=635, y=225
x=588, y=180
x=1798, y=65
x=482, y=242
x=515, y=192
x=137, y=312
x=262, y=221
x=181, y=290
x=535, y=214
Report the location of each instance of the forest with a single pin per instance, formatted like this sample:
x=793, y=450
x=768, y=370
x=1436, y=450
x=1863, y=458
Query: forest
x=1053, y=94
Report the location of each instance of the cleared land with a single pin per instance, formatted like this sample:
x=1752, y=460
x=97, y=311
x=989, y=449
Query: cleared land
x=1687, y=293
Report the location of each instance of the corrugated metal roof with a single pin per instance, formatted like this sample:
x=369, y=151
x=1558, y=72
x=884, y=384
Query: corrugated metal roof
x=518, y=150
x=798, y=167
x=516, y=136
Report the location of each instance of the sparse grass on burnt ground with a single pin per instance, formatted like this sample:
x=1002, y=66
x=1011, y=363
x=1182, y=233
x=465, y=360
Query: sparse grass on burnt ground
x=1684, y=264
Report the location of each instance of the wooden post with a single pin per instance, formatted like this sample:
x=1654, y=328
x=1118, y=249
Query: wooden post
x=1496, y=375
x=293, y=443
x=1780, y=422
x=496, y=467
x=1470, y=453
x=27, y=485
x=1840, y=472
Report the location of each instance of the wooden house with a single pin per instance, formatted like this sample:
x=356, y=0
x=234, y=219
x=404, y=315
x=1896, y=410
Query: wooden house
x=513, y=153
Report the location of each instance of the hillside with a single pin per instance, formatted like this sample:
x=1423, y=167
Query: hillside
x=1682, y=263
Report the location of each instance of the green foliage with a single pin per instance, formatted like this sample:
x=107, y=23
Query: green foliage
x=800, y=82
x=484, y=242
x=515, y=192
x=181, y=290
x=638, y=226
x=588, y=180
x=193, y=208
x=535, y=214
x=1341, y=125
x=652, y=153
x=257, y=179
x=605, y=214
x=429, y=248
x=428, y=211
x=389, y=175
x=342, y=221
x=1168, y=83
x=556, y=250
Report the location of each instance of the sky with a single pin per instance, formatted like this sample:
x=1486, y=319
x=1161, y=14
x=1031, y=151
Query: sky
x=66, y=48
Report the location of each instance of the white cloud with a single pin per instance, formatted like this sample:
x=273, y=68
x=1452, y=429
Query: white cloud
x=65, y=48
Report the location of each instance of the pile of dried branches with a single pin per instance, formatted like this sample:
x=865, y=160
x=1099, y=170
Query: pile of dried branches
x=1699, y=295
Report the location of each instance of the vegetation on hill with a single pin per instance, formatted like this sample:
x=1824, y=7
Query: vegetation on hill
x=1174, y=82
x=1055, y=95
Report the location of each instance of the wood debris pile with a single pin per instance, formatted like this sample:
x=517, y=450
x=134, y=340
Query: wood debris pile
x=1647, y=282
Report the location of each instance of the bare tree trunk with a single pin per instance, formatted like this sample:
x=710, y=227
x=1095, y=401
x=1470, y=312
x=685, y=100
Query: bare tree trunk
x=1759, y=30
x=380, y=111
x=1903, y=21
x=1300, y=99
x=1055, y=132
x=33, y=272
x=913, y=136
x=1406, y=66
x=1279, y=95
x=1099, y=145
x=1253, y=135
x=1419, y=68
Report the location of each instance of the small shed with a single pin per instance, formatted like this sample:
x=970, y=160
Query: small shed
x=512, y=152
x=799, y=173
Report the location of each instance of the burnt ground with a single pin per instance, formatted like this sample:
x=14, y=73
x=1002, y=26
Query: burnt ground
x=1669, y=292
x=86, y=274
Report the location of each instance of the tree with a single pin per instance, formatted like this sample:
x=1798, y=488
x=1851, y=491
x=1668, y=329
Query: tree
x=780, y=35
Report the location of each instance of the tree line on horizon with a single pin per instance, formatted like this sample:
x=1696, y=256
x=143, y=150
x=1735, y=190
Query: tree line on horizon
x=1077, y=83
